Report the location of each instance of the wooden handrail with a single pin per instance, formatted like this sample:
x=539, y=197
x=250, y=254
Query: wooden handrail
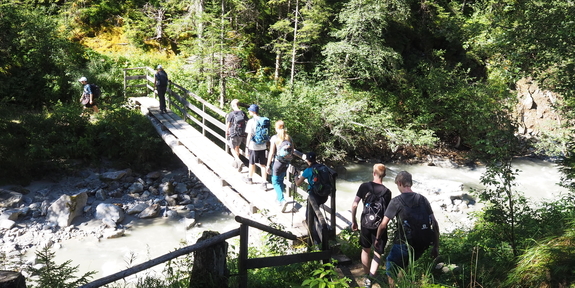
x=166, y=257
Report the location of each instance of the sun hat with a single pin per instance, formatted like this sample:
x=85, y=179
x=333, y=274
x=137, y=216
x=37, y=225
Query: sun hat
x=83, y=79
x=159, y=67
x=254, y=108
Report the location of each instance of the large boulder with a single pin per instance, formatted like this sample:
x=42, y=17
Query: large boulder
x=10, y=199
x=109, y=212
x=66, y=208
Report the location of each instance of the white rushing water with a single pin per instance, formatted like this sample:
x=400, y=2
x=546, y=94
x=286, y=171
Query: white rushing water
x=148, y=239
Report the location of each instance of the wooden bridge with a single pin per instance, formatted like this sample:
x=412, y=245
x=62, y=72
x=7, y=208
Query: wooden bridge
x=195, y=131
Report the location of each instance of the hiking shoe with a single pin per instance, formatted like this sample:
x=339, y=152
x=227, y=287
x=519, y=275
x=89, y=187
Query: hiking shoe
x=248, y=180
x=265, y=186
x=367, y=283
x=240, y=165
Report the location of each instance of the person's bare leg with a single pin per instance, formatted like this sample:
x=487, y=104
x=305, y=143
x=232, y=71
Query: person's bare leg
x=365, y=259
x=375, y=262
x=95, y=109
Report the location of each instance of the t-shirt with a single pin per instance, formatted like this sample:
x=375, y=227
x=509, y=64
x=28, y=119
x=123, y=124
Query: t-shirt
x=251, y=129
x=395, y=206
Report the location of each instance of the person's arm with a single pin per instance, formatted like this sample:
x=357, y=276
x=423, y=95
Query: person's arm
x=299, y=179
x=435, y=249
x=382, y=227
x=271, y=153
x=354, y=213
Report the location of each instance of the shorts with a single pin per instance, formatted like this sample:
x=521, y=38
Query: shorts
x=258, y=157
x=236, y=141
x=367, y=239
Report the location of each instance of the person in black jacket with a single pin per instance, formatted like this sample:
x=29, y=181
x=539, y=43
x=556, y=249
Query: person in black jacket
x=161, y=82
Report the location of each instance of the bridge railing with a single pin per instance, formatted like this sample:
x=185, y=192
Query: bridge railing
x=244, y=262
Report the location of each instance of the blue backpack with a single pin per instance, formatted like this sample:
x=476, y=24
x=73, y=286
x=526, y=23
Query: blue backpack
x=284, y=152
x=262, y=133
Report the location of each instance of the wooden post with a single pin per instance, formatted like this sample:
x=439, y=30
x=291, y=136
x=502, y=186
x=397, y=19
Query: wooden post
x=12, y=279
x=243, y=256
x=210, y=268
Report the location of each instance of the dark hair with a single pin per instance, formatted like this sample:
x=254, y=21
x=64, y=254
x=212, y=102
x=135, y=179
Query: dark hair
x=310, y=156
x=403, y=178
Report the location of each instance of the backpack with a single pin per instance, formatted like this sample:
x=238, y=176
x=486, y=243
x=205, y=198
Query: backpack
x=323, y=181
x=96, y=92
x=262, y=133
x=284, y=152
x=417, y=224
x=373, y=207
x=238, y=124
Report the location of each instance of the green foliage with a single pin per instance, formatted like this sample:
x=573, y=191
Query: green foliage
x=348, y=242
x=326, y=277
x=35, y=58
x=57, y=276
x=548, y=263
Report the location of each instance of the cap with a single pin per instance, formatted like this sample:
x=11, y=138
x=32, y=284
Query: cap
x=83, y=79
x=159, y=67
x=254, y=108
x=310, y=156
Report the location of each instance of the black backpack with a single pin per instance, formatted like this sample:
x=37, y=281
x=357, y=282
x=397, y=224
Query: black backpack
x=96, y=92
x=323, y=181
x=373, y=207
x=238, y=124
x=417, y=224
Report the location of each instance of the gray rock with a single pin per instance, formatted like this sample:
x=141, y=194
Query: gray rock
x=101, y=194
x=136, y=188
x=154, y=175
x=181, y=188
x=116, y=175
x=6, y=224
x=110, y=233
x=11, y=214
x=10, y=199
x=150, y=212
x=66, y=208
x=109, y=211
x=138, y=208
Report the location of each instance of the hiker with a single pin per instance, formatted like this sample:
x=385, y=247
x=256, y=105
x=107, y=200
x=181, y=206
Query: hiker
x=256, y=143
x=307, y=174
x=88, y=99
x=375, y=197
x=413, y=235
x=280, y=156
x=161, y=83
x=236, y=132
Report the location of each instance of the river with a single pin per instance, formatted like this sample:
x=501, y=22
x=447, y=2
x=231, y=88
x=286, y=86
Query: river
x=151, y=238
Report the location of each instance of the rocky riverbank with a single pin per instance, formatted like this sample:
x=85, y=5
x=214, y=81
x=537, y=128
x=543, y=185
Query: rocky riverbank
x=93, y=204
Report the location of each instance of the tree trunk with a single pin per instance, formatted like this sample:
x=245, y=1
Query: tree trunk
x=11, y=279
x=294, y=48
x=210, y=269
x=278, y=63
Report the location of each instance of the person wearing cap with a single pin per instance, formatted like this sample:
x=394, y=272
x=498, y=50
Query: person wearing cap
x=235, y=132
x=256, y=152
x=307, y=174
x=87, y=98
x=161, y=83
